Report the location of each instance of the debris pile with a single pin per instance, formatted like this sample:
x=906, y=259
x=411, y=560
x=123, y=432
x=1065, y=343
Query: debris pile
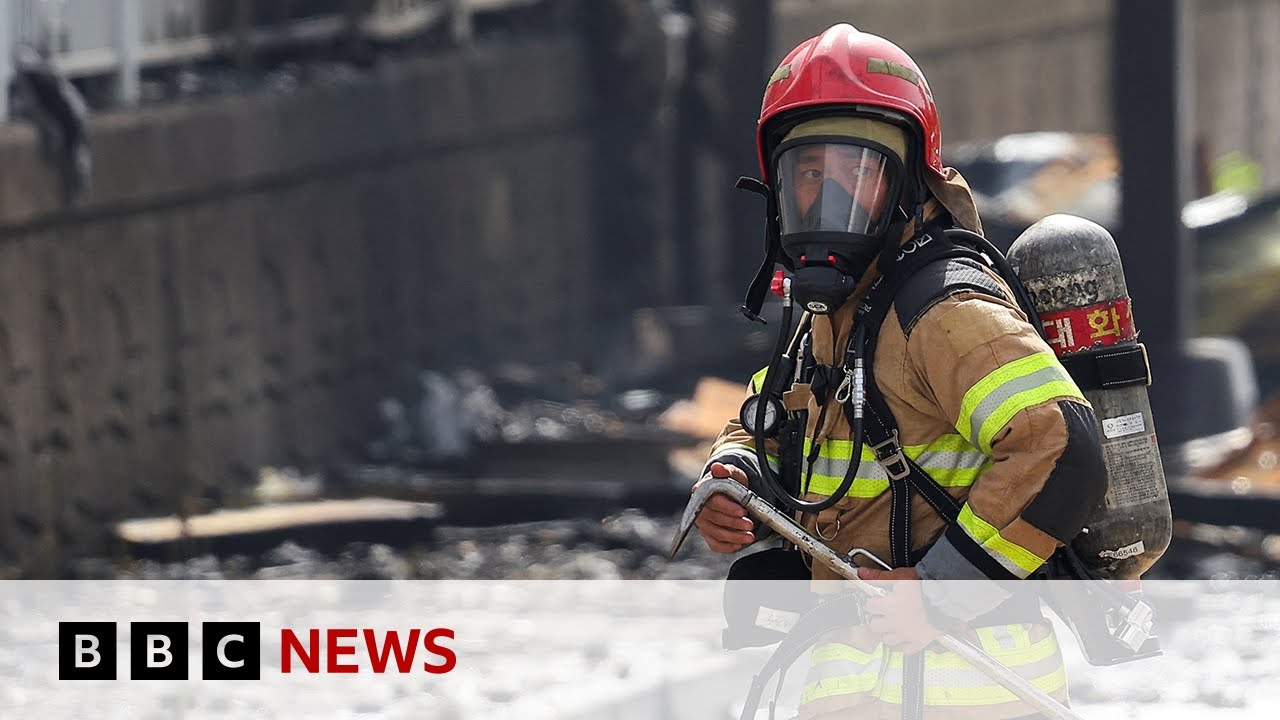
x=628, y=545
x=453, y=415
x=1257, y=459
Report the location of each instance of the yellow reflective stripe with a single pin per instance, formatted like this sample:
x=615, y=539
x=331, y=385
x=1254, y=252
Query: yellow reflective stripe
x=757, y=380
x=837, y=449
x=955, y=477
x=1026, y=560
x=870, y=487
x=847, y=685
x=1023, y=561
x=833, y=449
x=1024, y=652
x=840, y=651
x=949, y=680
x=933, y=694
x=865, y=488
x=994, y=379
x=945, y=443
x=987, y=638
x=1023, y=400
x=950, y=460
x=834, y=456
x=989, y=405
x=1020, y=635
x=988, y=695
x=977, y=528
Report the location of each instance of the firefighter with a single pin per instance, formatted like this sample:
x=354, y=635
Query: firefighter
x=849, y=144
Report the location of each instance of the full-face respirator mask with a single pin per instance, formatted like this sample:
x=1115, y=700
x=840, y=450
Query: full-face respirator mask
x=837, y=196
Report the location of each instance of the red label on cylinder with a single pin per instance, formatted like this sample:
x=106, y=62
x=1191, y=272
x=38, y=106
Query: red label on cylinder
x=1077, y=329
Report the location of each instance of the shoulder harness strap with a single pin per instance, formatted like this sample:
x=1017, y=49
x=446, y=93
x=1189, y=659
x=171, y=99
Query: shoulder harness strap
x=926, y=271
x=939, y=280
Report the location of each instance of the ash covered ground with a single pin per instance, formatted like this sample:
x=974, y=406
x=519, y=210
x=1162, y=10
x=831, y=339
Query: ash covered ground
x=627, y=545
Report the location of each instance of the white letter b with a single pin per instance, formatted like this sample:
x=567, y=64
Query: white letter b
x=156, y=650
x=87, y=650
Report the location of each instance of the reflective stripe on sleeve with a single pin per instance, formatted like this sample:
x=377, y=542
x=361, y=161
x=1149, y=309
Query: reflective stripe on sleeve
x=1009, y=389
x=1018, y=560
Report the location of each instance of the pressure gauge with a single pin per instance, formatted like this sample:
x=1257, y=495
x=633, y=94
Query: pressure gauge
x=773, y=411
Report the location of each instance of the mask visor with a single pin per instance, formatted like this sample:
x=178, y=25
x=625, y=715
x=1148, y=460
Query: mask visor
x=835, y=187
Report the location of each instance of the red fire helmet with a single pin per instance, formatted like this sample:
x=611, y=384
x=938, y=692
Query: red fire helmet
x=845, y=69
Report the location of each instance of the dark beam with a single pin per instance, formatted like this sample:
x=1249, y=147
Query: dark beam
x=1151, y=101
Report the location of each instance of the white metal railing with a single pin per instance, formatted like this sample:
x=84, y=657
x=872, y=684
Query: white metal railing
x=121, y=38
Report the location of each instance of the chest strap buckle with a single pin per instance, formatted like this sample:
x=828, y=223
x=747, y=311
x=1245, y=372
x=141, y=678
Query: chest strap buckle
x=890, y=456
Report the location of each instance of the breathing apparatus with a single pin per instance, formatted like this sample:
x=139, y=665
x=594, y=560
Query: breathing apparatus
x=835, y=194
x=834, y=186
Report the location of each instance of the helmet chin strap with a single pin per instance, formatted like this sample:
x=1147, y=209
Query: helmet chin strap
x=759, y=288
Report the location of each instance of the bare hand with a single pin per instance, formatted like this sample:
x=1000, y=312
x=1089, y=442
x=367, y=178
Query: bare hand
x=723, y=523
x=898, y=617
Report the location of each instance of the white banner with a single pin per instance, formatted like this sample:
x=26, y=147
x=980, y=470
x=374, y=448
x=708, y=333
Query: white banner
x=562, y=649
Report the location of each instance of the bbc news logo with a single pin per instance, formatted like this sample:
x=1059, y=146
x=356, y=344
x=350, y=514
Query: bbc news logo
x=233, y=651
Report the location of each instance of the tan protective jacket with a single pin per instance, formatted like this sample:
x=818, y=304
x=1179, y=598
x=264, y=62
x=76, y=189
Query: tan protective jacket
x=982, y=405
x=979, y=399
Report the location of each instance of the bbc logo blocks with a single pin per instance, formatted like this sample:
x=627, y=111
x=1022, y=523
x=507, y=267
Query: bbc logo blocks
x=159, y=651
x=233, y=651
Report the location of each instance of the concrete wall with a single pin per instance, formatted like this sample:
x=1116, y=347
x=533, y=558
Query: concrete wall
x=1004, y=66
x=252, y=273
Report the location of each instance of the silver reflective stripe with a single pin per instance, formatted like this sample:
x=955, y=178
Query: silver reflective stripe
x=1003, y=638
x=837, y=669
x=949, y=468
x=1008, y=389
x=951, y=460
x=836, y=468
x=943, y=460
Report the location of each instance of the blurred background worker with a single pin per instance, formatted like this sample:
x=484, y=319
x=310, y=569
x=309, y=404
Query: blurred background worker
x=981, y=456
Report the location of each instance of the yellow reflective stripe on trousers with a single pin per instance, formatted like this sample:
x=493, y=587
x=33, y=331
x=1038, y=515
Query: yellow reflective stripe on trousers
x=1009, y=389
x=950, y=460
x=1014, y=558
x=837, y=669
